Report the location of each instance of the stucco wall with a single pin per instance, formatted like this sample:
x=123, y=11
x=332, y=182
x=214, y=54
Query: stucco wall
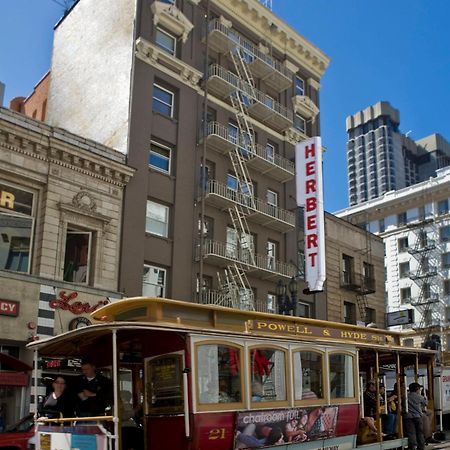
x=91, y=71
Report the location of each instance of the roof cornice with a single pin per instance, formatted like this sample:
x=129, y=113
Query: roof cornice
x=260, y=20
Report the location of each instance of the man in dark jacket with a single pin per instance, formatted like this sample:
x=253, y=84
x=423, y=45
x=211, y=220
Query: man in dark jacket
x=413, y=418
x=95, y=392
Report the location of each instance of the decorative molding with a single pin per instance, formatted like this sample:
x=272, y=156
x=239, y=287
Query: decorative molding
x=85, y=201
x=74, y=213
x=153, y=55
x=294, y=136
x=313, y=83
x=290, y=66
x=170, y=17
x=263, y=22
x=304, y=106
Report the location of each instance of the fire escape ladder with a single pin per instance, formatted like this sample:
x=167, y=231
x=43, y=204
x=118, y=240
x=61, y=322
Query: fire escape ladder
x=243, y=234
x=361, y=300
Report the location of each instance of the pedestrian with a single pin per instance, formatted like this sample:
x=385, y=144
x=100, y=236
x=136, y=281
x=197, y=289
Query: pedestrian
x=413, y=418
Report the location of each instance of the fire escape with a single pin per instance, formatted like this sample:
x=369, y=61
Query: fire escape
x=237, y=256
x=427, y=302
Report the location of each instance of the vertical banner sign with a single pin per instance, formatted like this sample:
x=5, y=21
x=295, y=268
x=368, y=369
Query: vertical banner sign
x=308, y=178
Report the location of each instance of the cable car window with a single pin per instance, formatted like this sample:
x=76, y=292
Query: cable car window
x=219, y=374
x=341, y=376
x=308, y=379
x=268, y=375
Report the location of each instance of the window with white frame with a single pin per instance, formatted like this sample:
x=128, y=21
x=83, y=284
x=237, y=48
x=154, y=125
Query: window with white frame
x=77, y=256
x=403, y=269
x=270, y=152
x=154, y=281
x=166, y=41
x=160, y=157
x=299, y=123
x=405, y=295
x=163, y=100
x=157, y=219
x=272, y=198
x=402, y=244
x=304, y=309
x=271, y=254
x=271, y=303
x=299, y=86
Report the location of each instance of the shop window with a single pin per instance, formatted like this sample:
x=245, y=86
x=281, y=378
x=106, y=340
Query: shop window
x=219, y=378
x=308, y=380
x=16, y=228
x=77, y=256
x=268, y=375
x=157, y=219
x=341, y=376
x=154, y=281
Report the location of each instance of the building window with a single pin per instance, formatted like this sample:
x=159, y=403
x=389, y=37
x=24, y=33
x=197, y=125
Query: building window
x=299, y=123
x=402, y=244
x=349, y=313
x=304, y=309
x=444, y=233
x=159, y=157
x=16, y=228
x=405, y=295
x=371, y=315
x=166, y=41
x=403, y=269
x=77, y=256
x=401, y=219
x=445, y=260
x=154, y=281
x=163, y=100
x=442, y=207
x=207, y=229
x=272, y=202
x=447, y=287
x=299, y=86
x=157, y=219
x=271, y=303
x=347, y=269
x=381, y=225
x=270, y=152
x=271, y=255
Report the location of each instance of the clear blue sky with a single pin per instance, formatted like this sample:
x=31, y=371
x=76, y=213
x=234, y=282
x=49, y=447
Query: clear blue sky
x=395, y=50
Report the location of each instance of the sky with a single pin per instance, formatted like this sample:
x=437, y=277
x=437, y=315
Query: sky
x=392, y=50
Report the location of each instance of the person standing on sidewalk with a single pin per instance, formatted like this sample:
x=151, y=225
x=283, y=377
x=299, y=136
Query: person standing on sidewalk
x=413, y=418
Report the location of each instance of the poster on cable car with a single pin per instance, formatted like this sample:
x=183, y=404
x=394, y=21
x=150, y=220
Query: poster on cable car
x=258, y=429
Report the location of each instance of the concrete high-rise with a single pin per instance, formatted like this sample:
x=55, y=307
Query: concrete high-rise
x=381, y=159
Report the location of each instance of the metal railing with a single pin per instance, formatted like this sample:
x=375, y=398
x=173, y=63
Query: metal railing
x=219, y=298
x=249, y=47
x=222, y=190
x=241, y=255
x=358, y=282
x=252, y=95
x=216, y=128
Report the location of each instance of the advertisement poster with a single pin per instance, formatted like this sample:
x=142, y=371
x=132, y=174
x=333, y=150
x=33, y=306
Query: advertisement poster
x=258, y=429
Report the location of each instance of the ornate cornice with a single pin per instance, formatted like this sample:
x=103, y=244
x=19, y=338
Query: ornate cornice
x=171, y=18
x=294, y=136
x=304, y=106
x=149, y=53
x=254, y=16
x=37, y=140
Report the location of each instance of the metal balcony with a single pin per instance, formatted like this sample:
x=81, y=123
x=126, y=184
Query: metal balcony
x=425, y=299
x=424, y=247
x=424, y=272
x=221, y=298
x=222, y=254
x=358, y=283
x=223, y=39
x=257, y=211
x=224, y=83
x=258, y=158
